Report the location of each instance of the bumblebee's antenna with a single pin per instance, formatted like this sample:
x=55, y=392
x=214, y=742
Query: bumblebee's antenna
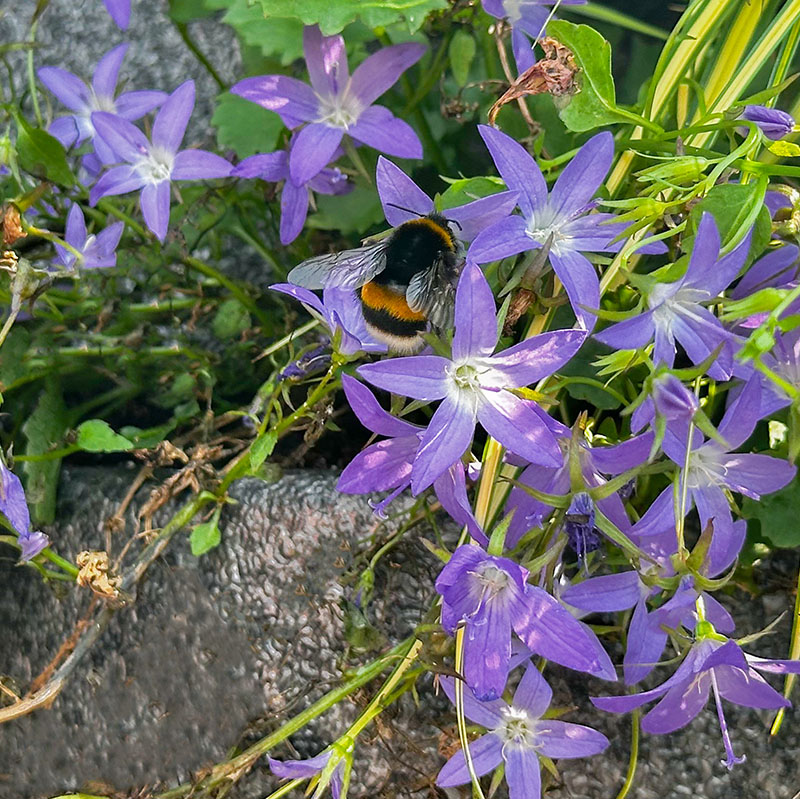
x=402, y=208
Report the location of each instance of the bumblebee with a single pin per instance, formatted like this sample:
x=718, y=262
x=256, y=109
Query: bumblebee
x=406, y=281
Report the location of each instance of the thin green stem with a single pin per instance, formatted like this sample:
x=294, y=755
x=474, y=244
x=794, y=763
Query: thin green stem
x=794, y=654
x=32, y=77
x=634, y=758
x=183, y=30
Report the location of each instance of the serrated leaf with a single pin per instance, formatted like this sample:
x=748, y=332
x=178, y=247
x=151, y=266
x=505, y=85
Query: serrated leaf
x=333, y=15
x=95, y=435
x=245, y=127
x=262, y=449
x=42, y=154
x=461, y=52
x=44, y=430
x=777, y=514
x=206, y=536
x=275, y=37
x=595, y=104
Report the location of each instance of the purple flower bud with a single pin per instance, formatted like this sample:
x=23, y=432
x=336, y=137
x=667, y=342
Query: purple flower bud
x=579, y=525
x=672, y=399
x=774, y=123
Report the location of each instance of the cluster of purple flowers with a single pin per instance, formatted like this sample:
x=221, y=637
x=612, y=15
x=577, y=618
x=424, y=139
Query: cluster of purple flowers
x=573, y=488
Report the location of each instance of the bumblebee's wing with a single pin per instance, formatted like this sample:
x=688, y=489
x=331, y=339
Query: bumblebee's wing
x=348, y=269
x=433, y=292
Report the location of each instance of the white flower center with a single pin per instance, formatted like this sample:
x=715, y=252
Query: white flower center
x=706, y=467
x=513, y=11
x=544, y=224
x=465, y=376
x=156, y=166
x=339, y=110
x=517, y=728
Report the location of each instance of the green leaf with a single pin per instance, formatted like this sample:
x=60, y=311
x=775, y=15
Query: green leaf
x=44, y=430
x=784, y=149
x=230, y=320
x=461, y=52
x=206, y=536
x=582, y=365
x=279, y=38
x=12, y=353
x=245, y=127
x=42, y=154
x=355, y=212
x=95, y=435
x=736, y=206
x=465, y=190
x=595, y=104
x=262, y=449
x=333, y=15
x=183, y=11
x=146, y=439
x=777, y=514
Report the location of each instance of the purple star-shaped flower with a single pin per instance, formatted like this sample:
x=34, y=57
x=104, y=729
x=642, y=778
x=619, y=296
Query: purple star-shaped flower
x=527, y=19
x=152, y=167
x=711, y=663
x=15, y=508
x=97, y=250
x=311, y=767
x=274, y=167
x=712, y=469
x=120, y=11
x=386, y=466
x=594, y=462
x=647, y=632
x=475, y=385
x=84, y=100
x=337, y=102
x=669, y=399
x=492, y=597
x=516, y=736
x=403, y=200
x=562, y=215
x=676, y=311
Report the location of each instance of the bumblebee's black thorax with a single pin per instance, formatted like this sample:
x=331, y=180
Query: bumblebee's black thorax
x=414, y=246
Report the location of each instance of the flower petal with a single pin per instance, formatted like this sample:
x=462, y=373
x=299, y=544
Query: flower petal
x=777, y=268
x=522, y=772
x=326, y=60
x=421, y=377
x=380, y=467
x=511, y=421
x=532, y=359
x=486, y=755
x=755, y=474
x=267, y=166
x=580, y=282
x=380, y=71
x=68, y=88
x=630, y=334
x=563, y=739
x=549, y=629
x=679, y=706
x=120, y=12
x=474, y=217
x=533, y=693
x=475, y=325
x=295, y=769
x=312, y=149
x=133, y=105
x=104, y=80
x=517, y=168
x=606, y=594
x=294, y=101
x=646, y=642
x=371, y=414
x=379, y=128
x=705, y=252
x=154, y=201
x=747, y=688
x=488, y=714
x=400, y=197
x=119, y=180
x=503, y=238
x=65, y=129
x=294, y=209
x=199, y=165
x=451, y=491
x=173, y=117
x=579, y=181
x=448, y=436
x=125, y=139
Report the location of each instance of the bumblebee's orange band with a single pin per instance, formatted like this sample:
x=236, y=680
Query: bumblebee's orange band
x=382, y=298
